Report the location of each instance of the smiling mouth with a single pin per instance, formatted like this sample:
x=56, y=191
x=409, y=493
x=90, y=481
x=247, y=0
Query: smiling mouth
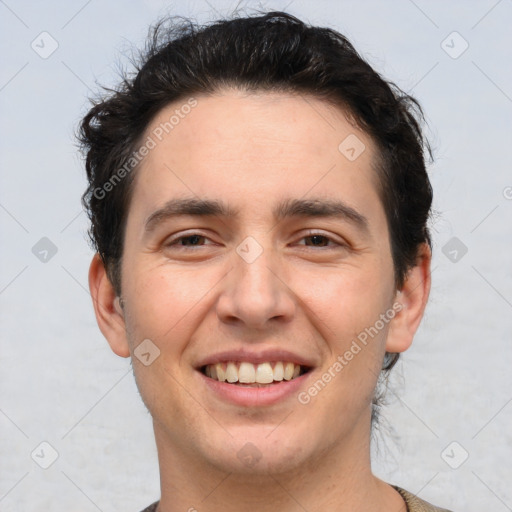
x=254, y=375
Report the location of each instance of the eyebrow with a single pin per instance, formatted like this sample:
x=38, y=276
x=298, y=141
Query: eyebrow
x=285, y=209
x=189, y=206
x=321, y=208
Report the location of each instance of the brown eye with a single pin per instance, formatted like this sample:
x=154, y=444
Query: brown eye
x=192, y=240
x=317, y=240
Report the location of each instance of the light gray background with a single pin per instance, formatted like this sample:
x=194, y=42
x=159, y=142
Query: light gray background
x=61, y=384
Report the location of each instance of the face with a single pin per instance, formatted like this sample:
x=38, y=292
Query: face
x=257, y=249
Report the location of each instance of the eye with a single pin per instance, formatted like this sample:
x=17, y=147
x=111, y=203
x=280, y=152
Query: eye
x=317, y=240
x=191, y=240
x=320, y=240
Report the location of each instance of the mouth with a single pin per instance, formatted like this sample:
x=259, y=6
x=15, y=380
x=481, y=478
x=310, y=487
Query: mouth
x=249, y=375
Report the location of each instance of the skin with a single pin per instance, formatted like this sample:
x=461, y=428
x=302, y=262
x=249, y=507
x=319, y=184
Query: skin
x=311, y=296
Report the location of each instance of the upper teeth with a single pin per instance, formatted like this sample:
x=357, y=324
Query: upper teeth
x=248, y=373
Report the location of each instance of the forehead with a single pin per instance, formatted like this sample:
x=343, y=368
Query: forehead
x=254, y=148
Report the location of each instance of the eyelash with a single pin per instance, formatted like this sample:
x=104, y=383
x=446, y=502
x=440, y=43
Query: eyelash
x=176, y=241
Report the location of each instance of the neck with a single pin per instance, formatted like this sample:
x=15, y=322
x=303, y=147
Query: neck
x=339, y=479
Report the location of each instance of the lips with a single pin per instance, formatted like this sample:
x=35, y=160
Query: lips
x=252, y=379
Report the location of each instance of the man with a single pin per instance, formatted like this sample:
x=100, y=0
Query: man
x=259, y=207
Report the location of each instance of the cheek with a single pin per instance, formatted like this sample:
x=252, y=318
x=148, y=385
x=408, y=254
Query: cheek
x=348, y=301
x=165, y=307
x=347, y=312
x=168, y=304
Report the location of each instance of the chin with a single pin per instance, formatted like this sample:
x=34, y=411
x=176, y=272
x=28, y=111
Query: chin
x=259, y=451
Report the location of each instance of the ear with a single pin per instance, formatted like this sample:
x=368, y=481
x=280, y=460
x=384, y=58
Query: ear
x=109, y=314
x=410, y=302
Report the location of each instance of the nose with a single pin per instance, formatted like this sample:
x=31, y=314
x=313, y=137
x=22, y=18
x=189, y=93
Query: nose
x=255, y=294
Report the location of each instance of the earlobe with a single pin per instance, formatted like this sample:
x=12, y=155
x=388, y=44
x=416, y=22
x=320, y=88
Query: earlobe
x=107, y=308
x=410, y=302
